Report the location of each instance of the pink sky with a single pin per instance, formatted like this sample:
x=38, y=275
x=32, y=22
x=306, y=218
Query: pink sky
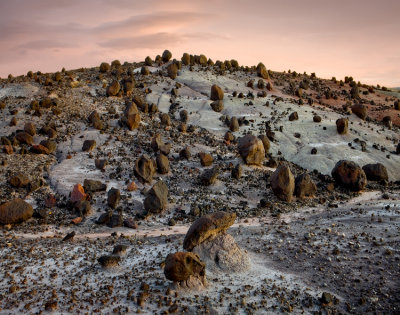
x=332, y=38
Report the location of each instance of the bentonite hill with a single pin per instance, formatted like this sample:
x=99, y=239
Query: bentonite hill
x=193, y=187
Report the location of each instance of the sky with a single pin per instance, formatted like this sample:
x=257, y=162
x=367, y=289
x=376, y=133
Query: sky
x=359, y=38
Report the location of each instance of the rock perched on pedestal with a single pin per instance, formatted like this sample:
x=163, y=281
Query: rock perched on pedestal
x=251, y=149
x=206, y=227
x=157, y=198
x=349, y=174
x=15, y=211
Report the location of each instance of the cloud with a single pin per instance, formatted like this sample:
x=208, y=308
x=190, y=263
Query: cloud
x=44, y=44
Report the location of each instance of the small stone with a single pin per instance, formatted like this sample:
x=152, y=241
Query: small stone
x=157, y=198
x=282, y=183
x=206, y=159
x=109, y=261
x=88, y=145
x=216, y=93
x=209, y=176
x=19, y=180
x=78, y=193
x=15, y=211
x=113, y=197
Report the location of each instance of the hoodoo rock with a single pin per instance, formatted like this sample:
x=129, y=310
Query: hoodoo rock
x=349, y=174
x=251, y=149
x=282, y=183
x=206, y=227
x=15, y=211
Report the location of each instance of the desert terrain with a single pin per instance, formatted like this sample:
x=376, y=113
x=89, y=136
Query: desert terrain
x=288, y=183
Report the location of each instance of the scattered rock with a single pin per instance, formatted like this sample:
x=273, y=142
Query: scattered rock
x=19, y=180
x=157, y=198
x=206, y=159
x=237, y=171
x=91, y=185
x=304, y=186
x=216, y=93
x=360, y=110
x=234, y=124
x=376, y=172
x=88, y=145
x=209, y=176
x=24, y=137
x=317, y=119
x=145, y=168
x=282, y=183
x=342, y=125
x=78, y=193
x=162, y=164
x=109, y=261
x=15, y=211
x=293, y=116
x=349, y=174
x=166, y=56
x=172, y=70
x=185, y=154
x=266, y=142
x=262, y=71
x=30, y=129
x=180, y=266
x=113, y=89
x=113, y=198
x=251, y=149
x=217, y=106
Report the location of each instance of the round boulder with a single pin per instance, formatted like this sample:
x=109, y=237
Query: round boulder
x=251, y=149
x=349, y=174
x=376, y=172
x=15, y=211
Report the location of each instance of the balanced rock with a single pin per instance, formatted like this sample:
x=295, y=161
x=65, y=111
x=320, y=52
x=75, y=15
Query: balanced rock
x=349, y=174
x=282, y=183
x=157, y=198
x=208, y=226
x=375, y=172
x=304, y=186
x=145, y=168
x=251, y=149
x=15, y=211
x=216, y=93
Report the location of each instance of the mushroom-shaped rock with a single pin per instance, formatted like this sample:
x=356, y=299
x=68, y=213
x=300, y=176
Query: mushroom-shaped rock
x=342, y=125
x=206, y=227
x=360, y=110
x=180, y=266
x=349, y=174
x=157, y=198
x=15, y=211
x=375, y=172
x=216, y=93
x=251, y=149
x=282, y=183
x=145, y=168
x=304, y=186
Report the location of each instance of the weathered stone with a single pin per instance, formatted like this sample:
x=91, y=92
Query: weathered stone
x=113, y=198
x=209, y=176
x=293, y=116
x=162, y=164
x=116, y=220
x=360, y=110
x=317, y=119
x=104, y=67
x=251, y=149
x=206, y=227
x=15, y=211
x=39, y=149
x=19, y=180
x=304, y=186
x=216, y=93
x=342, y=125
x=237, y=171
x=206, y=159
x=166, y=56
x=165, y=119
x=349, y=174
x=88, y=145
x=113, y=89
x=376, y=172
x=282, y=183
x=180, y=266
x=262, y=71
x=132, y=121
x=172, y=70
x=30, y=128
x=217, y=106
x=24, y=138
x=157, y=198
x=234, y=124
x=266, y=142
x=109, y=261
x=145, y=168
x=185, y=154
x=91, y=185
x=78, y=193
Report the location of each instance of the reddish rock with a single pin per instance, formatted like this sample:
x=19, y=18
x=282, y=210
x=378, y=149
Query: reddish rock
x=39, y=149
x=78, y=193
x=206, y=159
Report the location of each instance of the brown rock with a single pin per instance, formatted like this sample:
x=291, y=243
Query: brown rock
x=262, y=71
x=157, y=198
x=234, y=124
x=349, y=174
x=24, y=138
x=30, y=128
x=185, y=59
x=19, y=180
x=209, y=176
x=206, y=159
x=293, y=116
x=144, y=70
x=265, y=142
x=237, y=171
x=113, y=89
x=88, y=145
x=185, y=154
x=216, y=93
x=304, y=186
x=104, y=67
x=165, y=119
x=206, y=227
x=113, y=198
x=92, y=185
x=15, y=211
x=132, y=121
x=376, y=172
x=282, y=183
x=78, y=193
x=145, y=168
x=317, y=119
x=166, y=56
x=251, y=149
x=181, y=266
x=39, y=149
x=360, y=110
x=342, y=125
x=172, y=70
x=217, y=106
x=162, y=164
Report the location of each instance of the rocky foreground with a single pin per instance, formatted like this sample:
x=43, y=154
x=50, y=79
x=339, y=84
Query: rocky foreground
x=193, y=187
